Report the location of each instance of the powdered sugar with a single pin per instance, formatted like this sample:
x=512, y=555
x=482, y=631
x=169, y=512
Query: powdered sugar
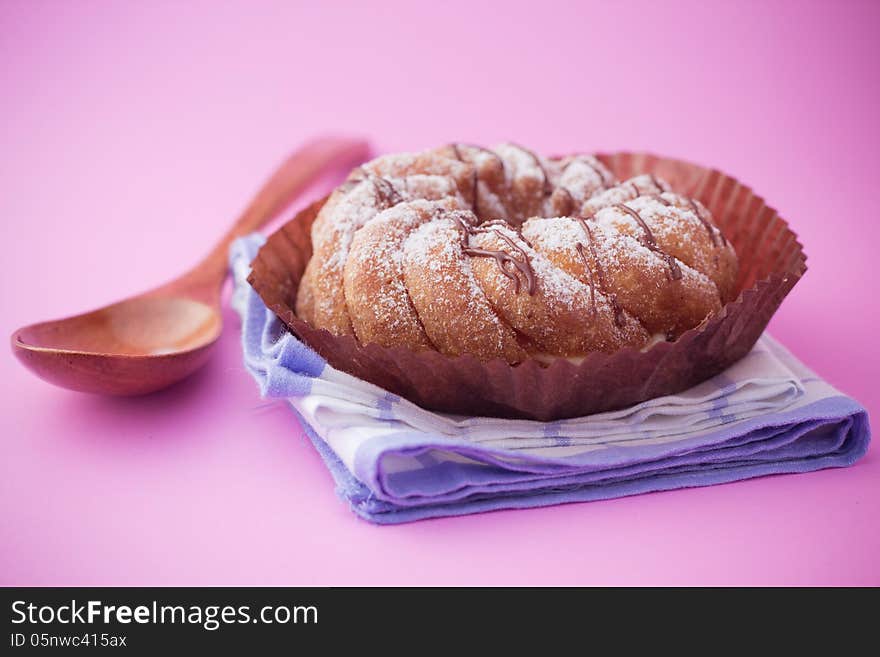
x=408, y=201
x=520, y=162
x=563, y=234
x=583, y=176
x=625, y=191
x=553, y=233
x=552, y=281
x=436, y=247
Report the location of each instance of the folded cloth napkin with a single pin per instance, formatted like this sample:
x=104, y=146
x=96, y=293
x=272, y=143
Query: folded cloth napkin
x=395, y=462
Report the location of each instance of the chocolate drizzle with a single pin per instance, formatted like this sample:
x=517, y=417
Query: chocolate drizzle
x=521, y=264
x=649, y=242
x=571, y=203
x=349, y=185
x=600, y=274
x=598, y=173
x=475, y=206
x=706, y=224
x=460, y=158
x=580, y=249
x=548, y=187
x=590, y=164
x=386, y=193
x=660, y=200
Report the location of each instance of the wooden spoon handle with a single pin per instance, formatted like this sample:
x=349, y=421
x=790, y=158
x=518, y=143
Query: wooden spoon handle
x=300, y=169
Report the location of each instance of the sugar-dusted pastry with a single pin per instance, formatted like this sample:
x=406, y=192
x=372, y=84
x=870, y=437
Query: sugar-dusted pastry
x=504, y=254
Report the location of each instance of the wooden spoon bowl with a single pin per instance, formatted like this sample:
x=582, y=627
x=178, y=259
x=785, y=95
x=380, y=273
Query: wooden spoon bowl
x=148, y=342
x=129, y=348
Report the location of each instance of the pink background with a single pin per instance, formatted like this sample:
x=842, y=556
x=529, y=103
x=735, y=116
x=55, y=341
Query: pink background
x=151, y=124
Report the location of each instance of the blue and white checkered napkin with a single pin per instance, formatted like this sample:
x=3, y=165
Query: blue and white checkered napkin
x=396, y=462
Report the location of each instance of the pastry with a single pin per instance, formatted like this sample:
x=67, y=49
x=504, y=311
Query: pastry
x=504, y=254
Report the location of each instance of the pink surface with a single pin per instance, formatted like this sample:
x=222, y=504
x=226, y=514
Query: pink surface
x=133, y=132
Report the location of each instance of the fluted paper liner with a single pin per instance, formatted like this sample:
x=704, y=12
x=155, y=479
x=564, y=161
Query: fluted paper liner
x=771, y=261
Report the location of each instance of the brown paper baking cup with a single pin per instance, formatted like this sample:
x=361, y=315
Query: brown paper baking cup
x=771, y=261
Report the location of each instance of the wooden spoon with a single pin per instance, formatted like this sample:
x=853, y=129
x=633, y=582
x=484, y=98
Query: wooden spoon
x=150, y=341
